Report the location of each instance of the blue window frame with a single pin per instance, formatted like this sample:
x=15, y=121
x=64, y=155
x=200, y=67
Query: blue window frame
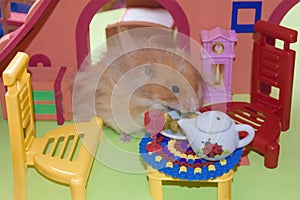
x=245, y=28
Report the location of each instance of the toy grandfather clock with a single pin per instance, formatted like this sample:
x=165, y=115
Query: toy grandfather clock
x=217, y=63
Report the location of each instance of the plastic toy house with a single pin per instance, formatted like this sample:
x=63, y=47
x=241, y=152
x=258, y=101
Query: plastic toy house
x=63, y=37
x=50, y=83
x=219, y=44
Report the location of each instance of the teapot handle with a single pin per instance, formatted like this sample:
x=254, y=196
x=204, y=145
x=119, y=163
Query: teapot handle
x=246, y=140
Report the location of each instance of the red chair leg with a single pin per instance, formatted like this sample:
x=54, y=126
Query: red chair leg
x=272, y=155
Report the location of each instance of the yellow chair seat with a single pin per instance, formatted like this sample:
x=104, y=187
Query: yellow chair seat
x=65, y=158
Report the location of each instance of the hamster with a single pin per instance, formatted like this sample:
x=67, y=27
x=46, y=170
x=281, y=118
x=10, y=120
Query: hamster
x=143, y=79
x=141, y=69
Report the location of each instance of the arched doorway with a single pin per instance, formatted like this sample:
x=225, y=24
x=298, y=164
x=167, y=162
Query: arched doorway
x=290, y=19
x=82, y=27
x=281, y=10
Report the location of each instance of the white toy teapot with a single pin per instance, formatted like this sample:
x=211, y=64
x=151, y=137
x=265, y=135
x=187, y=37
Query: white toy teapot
x=213, y=135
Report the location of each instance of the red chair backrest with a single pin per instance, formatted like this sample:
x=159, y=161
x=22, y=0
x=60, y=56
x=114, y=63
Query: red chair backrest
x=273, y=70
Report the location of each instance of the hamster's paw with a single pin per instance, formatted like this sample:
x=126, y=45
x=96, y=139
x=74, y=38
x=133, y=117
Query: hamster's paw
x=125, y=138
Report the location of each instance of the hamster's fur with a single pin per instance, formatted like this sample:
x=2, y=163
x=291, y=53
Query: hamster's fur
x=139, y=71
x=142, y=79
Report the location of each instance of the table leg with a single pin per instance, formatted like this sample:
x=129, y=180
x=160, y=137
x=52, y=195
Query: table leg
x=224, y=190
x=155, y=187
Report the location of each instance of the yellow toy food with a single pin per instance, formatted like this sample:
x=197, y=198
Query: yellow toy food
x=174, y=127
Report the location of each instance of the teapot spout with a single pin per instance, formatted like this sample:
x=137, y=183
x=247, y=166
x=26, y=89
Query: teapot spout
x=187, y=125
x=180, y=123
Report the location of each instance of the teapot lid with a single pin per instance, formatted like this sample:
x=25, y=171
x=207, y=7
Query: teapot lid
x=213, y=122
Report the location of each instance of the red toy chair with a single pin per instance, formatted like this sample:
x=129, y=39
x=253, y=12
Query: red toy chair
x=273, y=69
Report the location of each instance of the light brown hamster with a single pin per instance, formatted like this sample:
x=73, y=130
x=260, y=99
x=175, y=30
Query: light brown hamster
x=142, y=69
x=143, y=79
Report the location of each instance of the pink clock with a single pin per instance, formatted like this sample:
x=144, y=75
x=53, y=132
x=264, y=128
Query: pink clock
x=217, y=65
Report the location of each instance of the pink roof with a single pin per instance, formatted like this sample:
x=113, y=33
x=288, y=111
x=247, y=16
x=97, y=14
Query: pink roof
x=217, y=32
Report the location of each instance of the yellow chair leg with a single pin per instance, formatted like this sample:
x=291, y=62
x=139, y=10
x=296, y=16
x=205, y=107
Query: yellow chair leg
x=78, y=191
x=20, y=189
x=20, y=184
x=224, y=190
x=155, y=187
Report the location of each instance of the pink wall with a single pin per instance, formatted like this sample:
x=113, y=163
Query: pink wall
x=206, y=15
x=57, y=37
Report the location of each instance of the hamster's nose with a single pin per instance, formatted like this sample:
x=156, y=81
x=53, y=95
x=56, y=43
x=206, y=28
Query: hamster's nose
x=156, y=106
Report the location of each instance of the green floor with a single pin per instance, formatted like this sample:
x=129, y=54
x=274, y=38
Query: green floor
x=250, y=182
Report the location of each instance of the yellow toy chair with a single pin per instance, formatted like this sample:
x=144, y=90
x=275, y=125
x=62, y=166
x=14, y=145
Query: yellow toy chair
x=64, y=155
x=155, y=184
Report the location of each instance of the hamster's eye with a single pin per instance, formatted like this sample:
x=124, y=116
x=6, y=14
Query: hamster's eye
x=175, y=89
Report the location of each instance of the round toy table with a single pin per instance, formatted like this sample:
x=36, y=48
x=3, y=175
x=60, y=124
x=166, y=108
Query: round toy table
x=178, y=160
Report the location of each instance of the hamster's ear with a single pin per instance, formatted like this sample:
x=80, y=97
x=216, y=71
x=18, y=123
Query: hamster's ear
x=148, y=70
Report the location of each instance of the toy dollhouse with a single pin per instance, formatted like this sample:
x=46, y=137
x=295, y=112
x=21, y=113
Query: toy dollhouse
x=54, y=31
x=219, y=45
x=56, y=38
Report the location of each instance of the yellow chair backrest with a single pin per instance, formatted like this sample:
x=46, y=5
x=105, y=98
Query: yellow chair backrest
x=19, y=103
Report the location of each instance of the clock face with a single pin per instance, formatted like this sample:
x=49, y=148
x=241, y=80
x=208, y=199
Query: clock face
x=218, y=47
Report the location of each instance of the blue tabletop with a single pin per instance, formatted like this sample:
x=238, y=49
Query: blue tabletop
x=178, y=160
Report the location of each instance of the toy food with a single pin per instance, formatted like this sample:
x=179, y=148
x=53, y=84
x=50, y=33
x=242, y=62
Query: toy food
x=174, y=127
x=168, y=120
